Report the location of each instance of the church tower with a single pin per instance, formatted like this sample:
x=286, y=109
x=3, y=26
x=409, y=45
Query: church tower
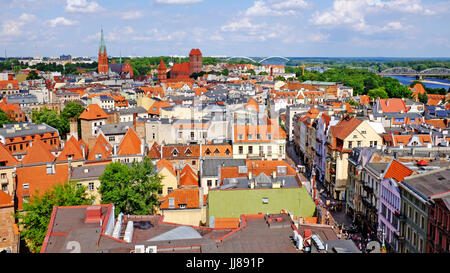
x=195, y=61
x=162, y=72
x=102, y=57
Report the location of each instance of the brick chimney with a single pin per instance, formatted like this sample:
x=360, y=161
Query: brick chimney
x=93, y=214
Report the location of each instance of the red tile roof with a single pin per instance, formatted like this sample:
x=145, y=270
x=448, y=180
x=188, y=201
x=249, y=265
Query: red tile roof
x=6, y=200
x=39, y=152
x=398, y=171
x=38, y=180
x=73, y=148
x=101, y=147
x=188, y=197
x=131, y=144
x=6, y=156
x=345, y=127
x=164, y=163
x=195, y=51
x=93, y=112
x=393, y=106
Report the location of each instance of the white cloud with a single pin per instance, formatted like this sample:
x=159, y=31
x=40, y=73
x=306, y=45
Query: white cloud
x=82, y=6
x=318, y=37
x=354, y=13
x=178, y=1
x=62, y=21
x=243, y=25
x=133, y=14
x=14, y=27
x=276, y=7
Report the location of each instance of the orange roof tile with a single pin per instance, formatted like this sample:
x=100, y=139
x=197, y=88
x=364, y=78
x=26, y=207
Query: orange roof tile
x=39, y=152
x=252, y=104
x=101, y=147
x=164, y=163
x=155, y=109
x=7, y=157
x=6, y=200
x=345, y=127
x=93, y=112
x=437, y=123
x=131, y=144
x=154, y=152
x=72, y=148
x=393, y=105
x=398, y=171
x=38, y=180
x=187, y=197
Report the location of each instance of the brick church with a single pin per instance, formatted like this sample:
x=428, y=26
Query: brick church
x=184, y=70
x=125, y=70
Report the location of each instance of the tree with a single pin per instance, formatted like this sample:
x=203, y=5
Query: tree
x=280, y=78
x=225, y=72
x=51, y=118
x=378, y=93
x=72, y=110
x=132, y=190
x=3, y=118
x=36, y=214
x=423, y=98
x=33, y=75
x=251, y=71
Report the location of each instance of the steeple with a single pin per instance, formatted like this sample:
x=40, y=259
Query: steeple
x=102, y=49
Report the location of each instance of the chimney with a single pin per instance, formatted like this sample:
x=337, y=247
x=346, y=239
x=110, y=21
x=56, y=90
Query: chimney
x=274, y=174
x=249, y=175
x=93, y=214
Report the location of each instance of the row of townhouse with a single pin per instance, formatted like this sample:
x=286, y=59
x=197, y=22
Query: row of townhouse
x=401, y=197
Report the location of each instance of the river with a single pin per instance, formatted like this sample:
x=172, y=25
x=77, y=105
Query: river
x=408, y=80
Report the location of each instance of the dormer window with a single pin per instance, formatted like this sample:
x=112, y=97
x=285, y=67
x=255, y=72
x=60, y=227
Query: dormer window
x=188, y=151
x=174, y=152
x=207, y=152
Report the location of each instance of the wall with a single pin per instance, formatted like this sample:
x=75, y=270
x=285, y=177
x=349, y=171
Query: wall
x=9, y=237
x=191, y=217
x=234, y=203
x=169, y=181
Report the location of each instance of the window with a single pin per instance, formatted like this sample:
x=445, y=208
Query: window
x=265, y=200
x=240, y=137
x=269, y=136
x=363, y=132
x=250, y=149
x=91, y=186
x=281, y=150
x=416, y=218
x=250, y=137
x=169, y=189
x=258, y=136
x=209, y=183
x=241, y=150
x=5, y=187
x=111, y=138
x=50, y=169
x=25, y=186
x=193, y=163
x=359, y=143
x=414, y=239
x=349, y=144
x=182, y=206
x=420, y=245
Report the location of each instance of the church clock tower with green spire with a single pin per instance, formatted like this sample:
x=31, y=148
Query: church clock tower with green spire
x=102, y=57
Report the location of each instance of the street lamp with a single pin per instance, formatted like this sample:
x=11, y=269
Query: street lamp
x=382, y=233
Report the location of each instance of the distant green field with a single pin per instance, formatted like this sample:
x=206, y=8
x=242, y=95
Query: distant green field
x=234, y=203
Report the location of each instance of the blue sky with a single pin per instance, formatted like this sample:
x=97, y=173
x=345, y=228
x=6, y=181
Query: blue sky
x=303, y=28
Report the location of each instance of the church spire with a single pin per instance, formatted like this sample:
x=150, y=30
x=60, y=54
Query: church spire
x=102, y=44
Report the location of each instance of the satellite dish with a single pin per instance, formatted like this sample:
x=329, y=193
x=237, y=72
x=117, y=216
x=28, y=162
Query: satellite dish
x=373, y=247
